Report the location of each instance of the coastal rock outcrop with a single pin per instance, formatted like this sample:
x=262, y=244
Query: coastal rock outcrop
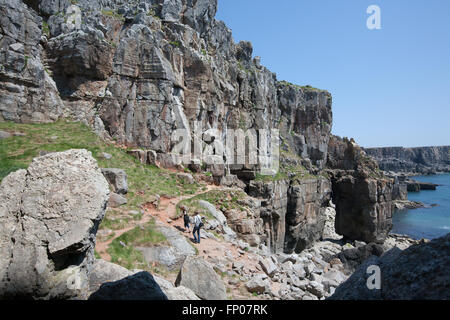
x=422, y=160
x=138, y=71
x=293, y=211
x=362, y=195
x=417, y=273
x=49, y=215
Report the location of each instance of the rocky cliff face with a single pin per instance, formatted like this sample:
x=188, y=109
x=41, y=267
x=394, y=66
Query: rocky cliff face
x=422, y=160
x=363, y=196
x=136, y=71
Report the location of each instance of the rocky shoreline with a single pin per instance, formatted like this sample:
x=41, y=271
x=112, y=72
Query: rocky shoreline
x=134, y=73
x=312, y=274
x=412, y=161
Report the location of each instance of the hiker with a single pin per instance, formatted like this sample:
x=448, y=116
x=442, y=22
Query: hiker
x=198, y=223
x=186, y=219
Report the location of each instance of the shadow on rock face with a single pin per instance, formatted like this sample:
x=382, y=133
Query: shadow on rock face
x=140, y=286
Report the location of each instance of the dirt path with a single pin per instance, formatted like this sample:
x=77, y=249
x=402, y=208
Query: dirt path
x=210, y=249
x=162, y=214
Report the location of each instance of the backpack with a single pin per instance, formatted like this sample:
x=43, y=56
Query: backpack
x=198, y=222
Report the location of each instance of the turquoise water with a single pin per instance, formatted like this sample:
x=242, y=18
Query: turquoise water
x=428, y=223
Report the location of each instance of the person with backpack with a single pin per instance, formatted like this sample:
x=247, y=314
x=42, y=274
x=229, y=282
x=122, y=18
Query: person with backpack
x=198, y=224
x=186, y=219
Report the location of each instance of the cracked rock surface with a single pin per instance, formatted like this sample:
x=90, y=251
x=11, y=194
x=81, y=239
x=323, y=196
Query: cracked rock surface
x=49, y=215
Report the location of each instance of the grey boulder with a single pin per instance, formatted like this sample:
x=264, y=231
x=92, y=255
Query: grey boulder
x=116, y=200
x=199, y=276
x=214, y=212
x=5, y=135
x=258, y=284
x=49, y=216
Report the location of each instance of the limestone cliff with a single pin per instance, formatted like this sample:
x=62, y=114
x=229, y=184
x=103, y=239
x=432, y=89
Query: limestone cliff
x=136, y=71
x=423, y=160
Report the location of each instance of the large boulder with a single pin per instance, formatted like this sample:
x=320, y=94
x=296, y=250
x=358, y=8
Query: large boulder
x=419, y=272
x=199, y=276
x=258, y=284
x=175, y=293
x=170, y=254
x=106, y=272
x=103, y=272
x=214, y=212
x=269, y=267
x=139, y=286
x=49, y=216
x=116, y=200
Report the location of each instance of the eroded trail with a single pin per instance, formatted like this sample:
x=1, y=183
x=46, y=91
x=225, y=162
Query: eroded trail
x=163, y=215
x=212, y=250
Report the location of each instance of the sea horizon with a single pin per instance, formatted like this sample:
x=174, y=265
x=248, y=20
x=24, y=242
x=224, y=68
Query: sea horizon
x=430, y=222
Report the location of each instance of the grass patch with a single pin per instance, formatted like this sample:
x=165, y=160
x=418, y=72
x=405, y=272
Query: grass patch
x=145, y=235
x=307, y=87
x=114, y=223
x=113, y=14
x=144, y=181
x=46, y=29
x=127, y=256
x=221, y=199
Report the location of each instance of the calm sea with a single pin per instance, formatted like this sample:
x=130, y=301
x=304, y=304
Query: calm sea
x=428, y=223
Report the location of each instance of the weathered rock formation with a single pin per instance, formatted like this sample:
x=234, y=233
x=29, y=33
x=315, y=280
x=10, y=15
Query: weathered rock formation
x=27, y=91
x=293, y=211
x=138, y=286
x=49, y=215
x=422, y=160
x=117, y=179
x=362, y=195
x=417, y=273
x=199, y=276
x=137, y=71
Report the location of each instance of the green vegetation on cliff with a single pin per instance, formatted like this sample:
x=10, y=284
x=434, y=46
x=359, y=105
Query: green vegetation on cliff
x=221, y=199
x=307, y=87
x=144, y=181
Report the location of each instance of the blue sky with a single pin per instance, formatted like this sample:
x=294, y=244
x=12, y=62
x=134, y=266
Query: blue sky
x=390, y=87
